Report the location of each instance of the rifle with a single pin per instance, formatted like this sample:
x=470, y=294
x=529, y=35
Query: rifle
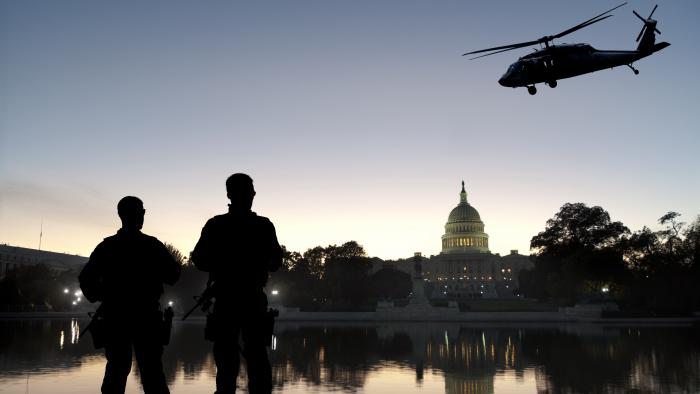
x=96, y=326
x=204, y=300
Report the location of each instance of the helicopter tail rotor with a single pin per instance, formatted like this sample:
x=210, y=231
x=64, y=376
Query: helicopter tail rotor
x=648, y=23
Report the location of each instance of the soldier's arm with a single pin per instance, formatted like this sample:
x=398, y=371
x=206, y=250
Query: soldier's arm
x=91, y=275
x=275, y=250
x=202, y=255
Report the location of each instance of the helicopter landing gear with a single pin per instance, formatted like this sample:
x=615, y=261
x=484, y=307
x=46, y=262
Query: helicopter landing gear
x=532, y=90
x=552, y=84
x=636, y=72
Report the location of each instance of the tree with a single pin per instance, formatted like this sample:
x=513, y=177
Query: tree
x=346, y=281
x=578, y=253
x=289, y=259
x=639, y=247
x=663, y=267
x=692, y=243
x=333, y=274
x=346, y=250
x=578, y=226
x=315, y=258
x=670, y=235
x=177, y=255
x=390, y=283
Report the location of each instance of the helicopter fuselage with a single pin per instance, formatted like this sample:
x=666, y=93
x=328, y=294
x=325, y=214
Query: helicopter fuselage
x=554, y=62
x=567, y=60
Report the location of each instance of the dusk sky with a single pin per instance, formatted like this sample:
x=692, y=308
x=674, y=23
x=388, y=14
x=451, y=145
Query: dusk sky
x=358, y=120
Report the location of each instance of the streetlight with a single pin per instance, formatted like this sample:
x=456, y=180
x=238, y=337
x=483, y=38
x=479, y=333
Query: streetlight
x=275, y=292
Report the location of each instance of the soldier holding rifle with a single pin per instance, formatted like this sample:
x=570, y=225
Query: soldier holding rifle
x=126, y=272
x=239, y=249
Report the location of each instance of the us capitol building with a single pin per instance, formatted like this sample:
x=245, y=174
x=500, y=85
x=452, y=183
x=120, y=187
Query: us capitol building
x=466, y=268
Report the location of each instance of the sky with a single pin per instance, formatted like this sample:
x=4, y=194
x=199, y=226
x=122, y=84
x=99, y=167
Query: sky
x=358, y=120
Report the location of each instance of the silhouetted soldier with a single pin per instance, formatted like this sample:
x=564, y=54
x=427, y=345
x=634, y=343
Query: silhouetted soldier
x=239, y=249
x=126, y=272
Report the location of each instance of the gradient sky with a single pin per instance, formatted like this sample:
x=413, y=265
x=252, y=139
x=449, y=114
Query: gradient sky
x=357, y=119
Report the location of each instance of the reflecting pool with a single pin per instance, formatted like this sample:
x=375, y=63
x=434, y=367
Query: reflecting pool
x=45, y=356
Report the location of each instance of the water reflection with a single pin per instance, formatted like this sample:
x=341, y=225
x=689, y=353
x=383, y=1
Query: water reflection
x=74, y=331
x=350, y=357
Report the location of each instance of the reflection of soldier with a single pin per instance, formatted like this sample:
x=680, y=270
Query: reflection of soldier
x=126, y=272
x=238, y=249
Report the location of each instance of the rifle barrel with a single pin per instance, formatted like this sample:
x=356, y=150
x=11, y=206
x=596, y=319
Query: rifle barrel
x=95, y=315
x=191, y=310
x=203, y=300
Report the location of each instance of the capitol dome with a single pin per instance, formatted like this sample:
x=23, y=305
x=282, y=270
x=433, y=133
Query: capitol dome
x=464, y=231
x=464, y=213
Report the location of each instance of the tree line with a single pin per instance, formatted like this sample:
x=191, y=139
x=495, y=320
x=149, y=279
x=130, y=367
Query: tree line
x=331, y=278
x=581, y=256
x=584, y=256
x=335, y=277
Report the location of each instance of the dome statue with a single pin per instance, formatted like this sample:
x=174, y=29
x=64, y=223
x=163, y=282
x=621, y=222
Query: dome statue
x=464, y=231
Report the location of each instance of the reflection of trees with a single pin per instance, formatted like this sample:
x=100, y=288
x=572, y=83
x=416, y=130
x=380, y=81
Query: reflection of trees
x=575, y=364
x=27, y=345
x=645, y=360
x=342, y=356
x=669, y=355
x=188, y=353
x=325, y=356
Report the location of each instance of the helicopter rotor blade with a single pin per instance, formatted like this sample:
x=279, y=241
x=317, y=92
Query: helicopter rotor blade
x=542, y=40
x=652, y=11
x=493, y=53
x=639, y=16
x=588, y=22
x=506, y=47
x=578, y=27
x=641, y=32
x=545, y=39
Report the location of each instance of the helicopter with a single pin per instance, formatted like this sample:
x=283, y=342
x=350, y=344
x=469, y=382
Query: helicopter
x=554, y=62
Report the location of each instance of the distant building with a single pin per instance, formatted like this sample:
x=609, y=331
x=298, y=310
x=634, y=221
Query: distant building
x=13, y=257
x=466, y=268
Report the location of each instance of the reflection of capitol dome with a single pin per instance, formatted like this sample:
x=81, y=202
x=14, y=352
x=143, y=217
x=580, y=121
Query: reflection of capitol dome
x=469, y=384
x=464, y=231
